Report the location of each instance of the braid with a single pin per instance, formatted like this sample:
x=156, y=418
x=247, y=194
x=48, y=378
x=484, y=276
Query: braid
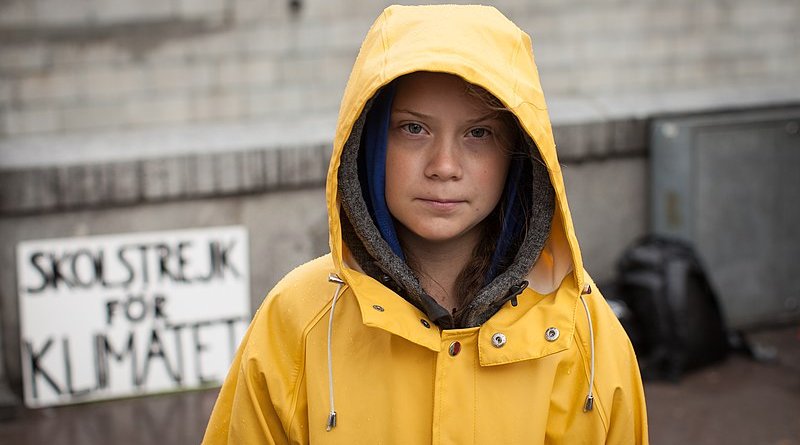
x=472, y=277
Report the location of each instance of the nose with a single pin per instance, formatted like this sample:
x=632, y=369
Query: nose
x=444, y=161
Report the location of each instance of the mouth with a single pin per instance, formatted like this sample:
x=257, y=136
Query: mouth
x=441, y=203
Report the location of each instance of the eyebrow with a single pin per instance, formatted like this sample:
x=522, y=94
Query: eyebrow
x=413, y=113
x=492, y=115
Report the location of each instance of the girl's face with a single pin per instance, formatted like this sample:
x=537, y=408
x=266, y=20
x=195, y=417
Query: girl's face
x=446, y=166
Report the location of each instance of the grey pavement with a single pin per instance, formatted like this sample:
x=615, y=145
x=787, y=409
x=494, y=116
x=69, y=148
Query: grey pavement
x=741, y=401
x=738, y=402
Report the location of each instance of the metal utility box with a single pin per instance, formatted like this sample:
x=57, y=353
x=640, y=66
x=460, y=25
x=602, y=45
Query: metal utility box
x=729, y=183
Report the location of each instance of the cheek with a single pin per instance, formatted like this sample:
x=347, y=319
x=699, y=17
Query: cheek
x=391, y=191
x=493, y=176
x=397, y=174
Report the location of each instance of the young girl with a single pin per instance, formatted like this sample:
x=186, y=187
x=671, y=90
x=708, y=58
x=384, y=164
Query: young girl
x=453, y=307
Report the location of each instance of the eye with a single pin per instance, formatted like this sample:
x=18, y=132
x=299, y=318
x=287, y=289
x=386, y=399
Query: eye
x=413, y=128
x=479, y=132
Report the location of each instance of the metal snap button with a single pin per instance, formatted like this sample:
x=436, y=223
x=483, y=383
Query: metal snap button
x=551, y=334
x=377, y=307
x=498, y=340
x=455, y=348
x=425, y=323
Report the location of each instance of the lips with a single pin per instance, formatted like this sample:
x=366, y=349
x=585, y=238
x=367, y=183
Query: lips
x=441, y=204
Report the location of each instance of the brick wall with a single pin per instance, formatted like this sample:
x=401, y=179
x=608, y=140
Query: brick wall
x=78, y=65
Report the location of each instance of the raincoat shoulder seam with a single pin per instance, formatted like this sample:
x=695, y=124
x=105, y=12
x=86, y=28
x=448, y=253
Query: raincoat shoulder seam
x=310, y=315
x=301, y=366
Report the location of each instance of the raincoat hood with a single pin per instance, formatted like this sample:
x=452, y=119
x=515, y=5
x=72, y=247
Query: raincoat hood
x=481, y=46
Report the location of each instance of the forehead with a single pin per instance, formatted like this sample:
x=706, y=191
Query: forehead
x=435, y=93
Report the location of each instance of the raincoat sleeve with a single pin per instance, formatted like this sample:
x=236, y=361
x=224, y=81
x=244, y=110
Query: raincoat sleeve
x=252, y=404
x=620, y=393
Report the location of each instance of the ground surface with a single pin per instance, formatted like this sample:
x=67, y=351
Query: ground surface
x=741, y=401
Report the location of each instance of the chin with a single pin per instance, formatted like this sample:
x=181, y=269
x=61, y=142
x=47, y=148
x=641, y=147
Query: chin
x=438, y=235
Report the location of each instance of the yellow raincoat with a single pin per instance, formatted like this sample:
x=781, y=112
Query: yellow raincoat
x=555, y=368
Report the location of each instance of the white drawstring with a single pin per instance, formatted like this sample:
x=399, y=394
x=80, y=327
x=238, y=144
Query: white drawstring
x=333, y=278
x=589, y=397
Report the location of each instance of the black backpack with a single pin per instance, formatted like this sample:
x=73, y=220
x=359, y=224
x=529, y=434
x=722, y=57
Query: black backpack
x=675, y=322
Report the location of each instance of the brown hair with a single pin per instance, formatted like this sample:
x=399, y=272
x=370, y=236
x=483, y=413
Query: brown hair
x=472, y=277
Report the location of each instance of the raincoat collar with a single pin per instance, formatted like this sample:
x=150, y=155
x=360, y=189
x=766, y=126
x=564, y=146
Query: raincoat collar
x=382, y=309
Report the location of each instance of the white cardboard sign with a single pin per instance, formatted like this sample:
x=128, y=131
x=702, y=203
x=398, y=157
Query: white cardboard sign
x=114, y=316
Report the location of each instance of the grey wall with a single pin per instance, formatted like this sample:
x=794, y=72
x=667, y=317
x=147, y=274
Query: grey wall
x=72, y=65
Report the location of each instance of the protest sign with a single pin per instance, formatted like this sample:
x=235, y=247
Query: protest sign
x=115, y=316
